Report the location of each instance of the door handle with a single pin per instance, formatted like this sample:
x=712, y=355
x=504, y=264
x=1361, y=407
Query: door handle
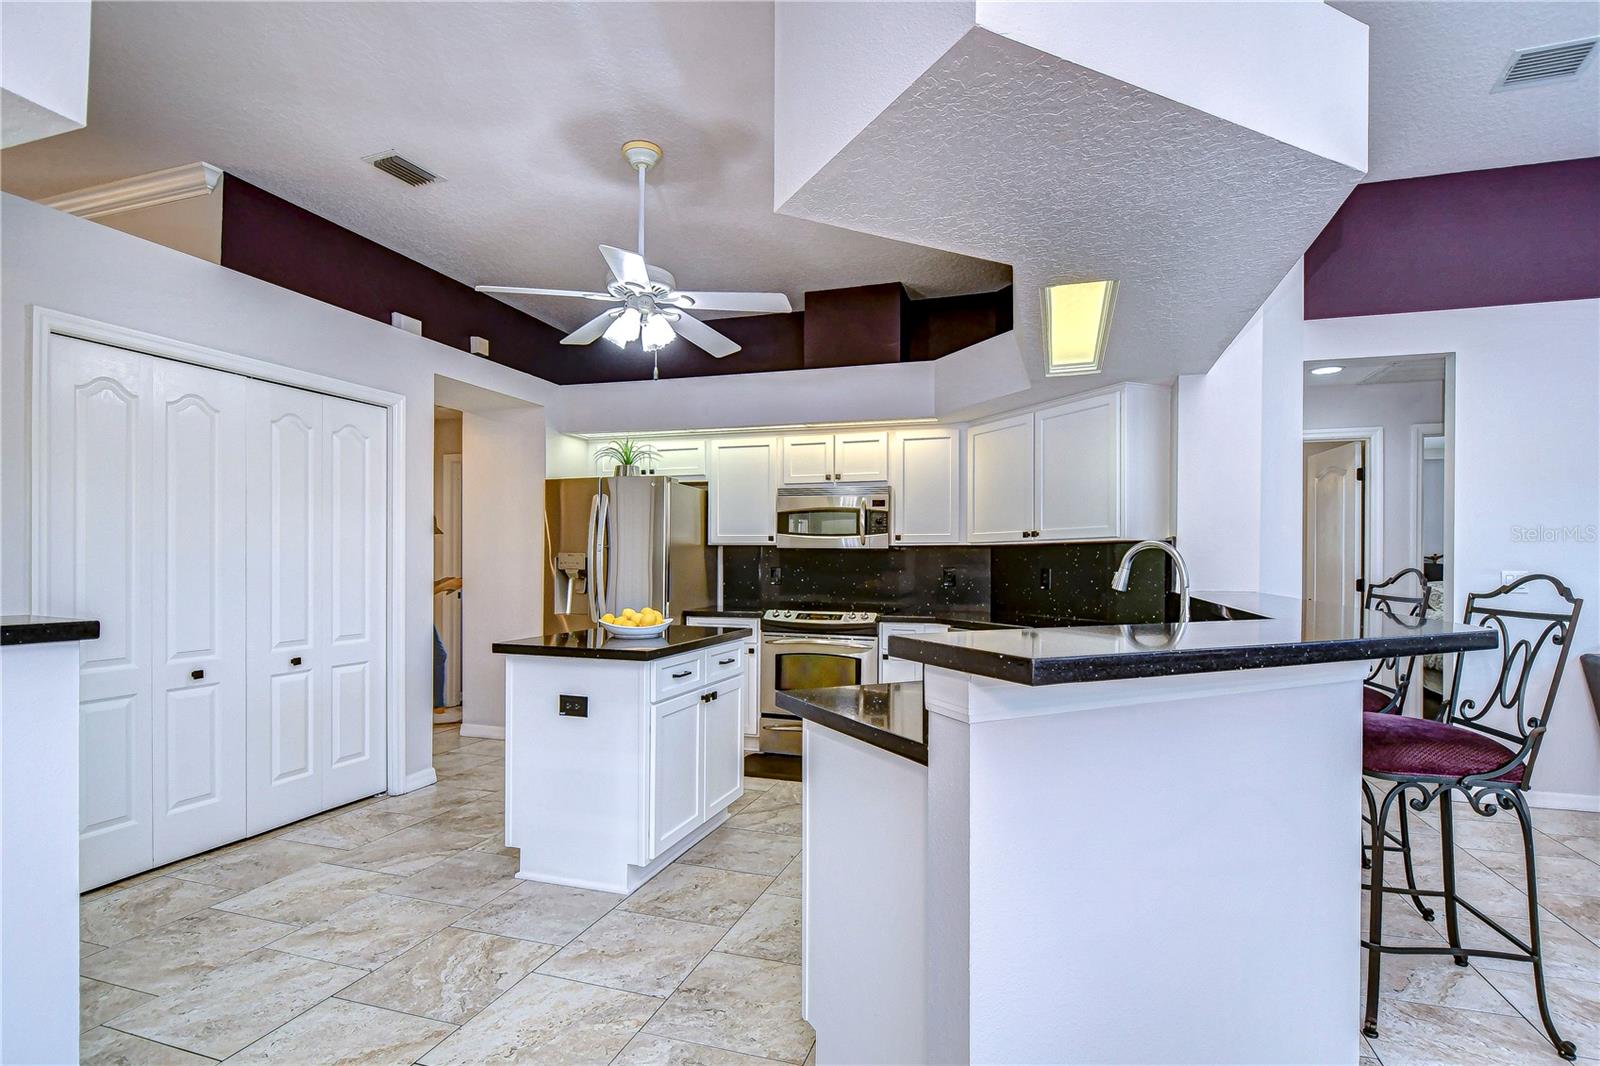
x=295, y=661
x=197, y=674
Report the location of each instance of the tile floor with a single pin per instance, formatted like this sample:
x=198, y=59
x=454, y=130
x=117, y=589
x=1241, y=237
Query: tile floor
x=392, y=931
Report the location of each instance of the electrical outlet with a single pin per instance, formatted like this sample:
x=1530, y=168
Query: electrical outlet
x=774, y=573
x=1044, y=578
x=948, y=577
x=1508, y=576
x=573, y=706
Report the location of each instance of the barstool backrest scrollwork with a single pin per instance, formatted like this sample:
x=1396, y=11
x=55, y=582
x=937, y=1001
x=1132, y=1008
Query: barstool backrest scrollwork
x=1524, y=636
x=1392, y=597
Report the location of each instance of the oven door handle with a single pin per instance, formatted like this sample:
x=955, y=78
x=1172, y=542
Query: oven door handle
x=831, y=642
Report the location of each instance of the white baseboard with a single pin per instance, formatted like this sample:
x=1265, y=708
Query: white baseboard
x=420, y=779
x=486, y=732
x=1564, y=801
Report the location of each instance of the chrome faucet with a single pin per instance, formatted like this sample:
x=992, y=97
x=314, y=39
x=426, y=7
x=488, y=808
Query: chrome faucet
x=1119, y=583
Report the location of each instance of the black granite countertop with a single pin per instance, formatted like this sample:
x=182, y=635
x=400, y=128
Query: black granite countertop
x=954, y=617
x=1098, y=652
x=598, y=644
x=891, y=717
x=43, y=629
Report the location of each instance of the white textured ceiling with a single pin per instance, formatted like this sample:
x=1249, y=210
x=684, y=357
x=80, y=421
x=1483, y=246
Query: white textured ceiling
x=1433, y=65
x=521, y=107
x=1402, y=370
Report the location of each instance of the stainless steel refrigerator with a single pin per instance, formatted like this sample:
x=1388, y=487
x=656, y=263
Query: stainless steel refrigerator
x=616, y=542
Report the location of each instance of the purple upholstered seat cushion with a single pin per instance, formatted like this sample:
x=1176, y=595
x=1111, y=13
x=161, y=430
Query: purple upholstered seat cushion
x=1395, y=744
x=1375, y=699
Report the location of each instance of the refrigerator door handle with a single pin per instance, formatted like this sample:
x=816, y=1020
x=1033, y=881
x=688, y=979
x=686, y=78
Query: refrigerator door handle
x=602, y=560
x=589, y=558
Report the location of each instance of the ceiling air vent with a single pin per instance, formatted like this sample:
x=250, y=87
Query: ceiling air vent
x=398, y=166
x=1547, y=62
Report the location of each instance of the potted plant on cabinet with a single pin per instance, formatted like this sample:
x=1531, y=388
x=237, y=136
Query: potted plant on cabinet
x=629, y=456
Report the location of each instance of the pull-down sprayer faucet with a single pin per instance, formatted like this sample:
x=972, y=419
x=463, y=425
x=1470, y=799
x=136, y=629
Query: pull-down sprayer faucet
x=1119, y=583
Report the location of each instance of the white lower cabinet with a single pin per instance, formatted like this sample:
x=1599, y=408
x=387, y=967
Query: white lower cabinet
x=749, y=654
x=892, y=668
x=230, y=534
x=676, y=794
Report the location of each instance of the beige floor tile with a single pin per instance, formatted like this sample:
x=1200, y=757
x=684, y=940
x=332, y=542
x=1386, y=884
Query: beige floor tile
x=310, y=894
x=744, y=851
x=780, y=819
x=143, y=908
x=485, y=744
x=1557, y=873
x=371, y=931
x=701, y=894
x=1575, y=1006
x=551, y=914
x=784, y=792
x=352, y=829
x=758, y=784
x=1577, y=831
x=446, y=740
x=1434, y=979
x=788, y=882
x=495, y=844
x=1422, y=1034
x=477, y=816
x=339, y=1033
x=770, y=929
x=546, y=1019
x=489, y=777
x=1580, y=912
x=740, y=1004
x=237, y=1003
x=1567, y=953
x=107, y=1047
x=256, y=863
x=464, y=758
x=635, y=952
x=451, y=976
x=745, y=799
x=647, y=1050
x=407, y=852
x=99, y=1002
x=181, y=953
x=467, y=879
x=435, y=799
x=85, y=949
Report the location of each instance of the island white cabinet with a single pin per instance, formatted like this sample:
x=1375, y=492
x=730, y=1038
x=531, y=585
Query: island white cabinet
x=1000, y=504
x=743, y=490
x=749, y=659
x=925, y=483
x=616, y=766
x=819, y=458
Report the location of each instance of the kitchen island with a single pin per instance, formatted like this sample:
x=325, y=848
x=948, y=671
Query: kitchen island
x=621, y=753
x=1127, y=843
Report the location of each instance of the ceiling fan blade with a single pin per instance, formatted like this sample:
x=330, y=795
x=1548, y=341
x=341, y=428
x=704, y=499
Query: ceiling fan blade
x=772, y=302
x=701, y=335
x=516, y=291
x=591, y=330
x=626, y=266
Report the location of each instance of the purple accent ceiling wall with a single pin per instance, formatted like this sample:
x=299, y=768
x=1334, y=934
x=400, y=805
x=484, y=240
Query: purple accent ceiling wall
x=272, y=239
x=1528, y=234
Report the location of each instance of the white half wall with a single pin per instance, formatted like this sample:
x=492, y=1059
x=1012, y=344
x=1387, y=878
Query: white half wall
x=1527, y=476
x=52, y=260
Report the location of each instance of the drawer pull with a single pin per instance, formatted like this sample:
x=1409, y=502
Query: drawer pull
x=725, y=662
x=197, y=674
x=680, y=673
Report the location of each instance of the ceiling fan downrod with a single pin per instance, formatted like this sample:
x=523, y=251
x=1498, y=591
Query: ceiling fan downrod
x=641, y=156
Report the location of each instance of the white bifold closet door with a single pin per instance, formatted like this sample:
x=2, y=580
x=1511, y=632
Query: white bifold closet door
x=317, y=639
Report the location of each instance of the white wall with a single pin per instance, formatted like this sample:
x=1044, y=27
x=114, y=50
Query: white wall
x=1238, y=468
x=1527, y=457
x=44, y=69
x=53, y=260
x=1396, y=408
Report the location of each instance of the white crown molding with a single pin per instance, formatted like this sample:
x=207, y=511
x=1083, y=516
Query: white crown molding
x=145, y=190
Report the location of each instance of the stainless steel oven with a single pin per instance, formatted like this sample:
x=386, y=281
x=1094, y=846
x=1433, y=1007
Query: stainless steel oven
x=810, y=649
x=837, y=516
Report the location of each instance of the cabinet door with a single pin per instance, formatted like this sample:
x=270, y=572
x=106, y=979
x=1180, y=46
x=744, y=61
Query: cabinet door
x=675, y=759
x=354, y=657
x=808, y=460
x=743, y=491
x=752, y=686
x=861, y=456
x=722, y=740
x=1078, y=468
x=1000, y=479
x=679, y=458
x=924, y=474
x=198, y=593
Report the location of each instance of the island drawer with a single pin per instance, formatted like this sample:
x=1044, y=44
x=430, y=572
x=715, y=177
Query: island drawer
x=724, y=661
x=673, y=676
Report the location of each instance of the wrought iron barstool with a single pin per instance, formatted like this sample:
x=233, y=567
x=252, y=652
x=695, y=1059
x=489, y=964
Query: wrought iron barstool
x=1491, y=767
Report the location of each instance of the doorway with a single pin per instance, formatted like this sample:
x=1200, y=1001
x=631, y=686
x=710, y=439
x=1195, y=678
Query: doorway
x=447, y=589
x=1337, y=520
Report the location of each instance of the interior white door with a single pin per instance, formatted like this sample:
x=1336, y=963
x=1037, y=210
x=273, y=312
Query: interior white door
x=808, y=459
x=861, y=456
x=1000, y=479
x=289, y=590
x=352, y=664
x=449, y=610
x=93, y=562
x=1334, y=521
x=1077, y=467
x=925, y=476
x=197, y=628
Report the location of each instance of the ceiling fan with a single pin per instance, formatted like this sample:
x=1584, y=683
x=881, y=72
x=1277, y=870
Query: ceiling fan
x=651, y=308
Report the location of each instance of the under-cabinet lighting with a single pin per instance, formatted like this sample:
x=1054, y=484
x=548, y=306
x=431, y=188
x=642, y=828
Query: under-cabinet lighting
x=1077, y=317
x=1322, y=371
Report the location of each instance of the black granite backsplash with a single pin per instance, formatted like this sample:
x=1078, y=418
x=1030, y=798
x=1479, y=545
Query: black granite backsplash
x=1032, y=584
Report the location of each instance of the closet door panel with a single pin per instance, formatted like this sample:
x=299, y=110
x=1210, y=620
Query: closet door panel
x=357, y=480
x=94, y=563
x=288, y=597
x=198, y=620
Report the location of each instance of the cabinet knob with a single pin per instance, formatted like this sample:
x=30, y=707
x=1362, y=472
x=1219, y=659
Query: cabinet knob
x=295, y=661
x=749, y=651
x=771, y=537
x=898, y=537
x=197, y=674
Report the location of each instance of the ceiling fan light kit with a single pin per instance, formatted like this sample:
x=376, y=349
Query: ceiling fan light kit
x=650, y=305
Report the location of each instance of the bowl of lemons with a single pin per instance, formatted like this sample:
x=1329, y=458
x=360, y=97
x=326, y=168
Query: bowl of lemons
x=647, y=622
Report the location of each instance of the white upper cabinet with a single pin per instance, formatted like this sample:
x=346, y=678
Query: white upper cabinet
x=925, y=483
x=862, y=456
x=808, y=460
x=684, y=459
x=1000, y=484
x=743, y=491
x=1077, y=469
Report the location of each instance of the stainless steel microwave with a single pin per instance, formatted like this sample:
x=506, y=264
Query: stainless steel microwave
x=835, y=516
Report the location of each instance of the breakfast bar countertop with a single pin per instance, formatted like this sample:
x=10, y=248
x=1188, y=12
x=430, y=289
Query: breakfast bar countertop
x=889, y=716
x=596, y=643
